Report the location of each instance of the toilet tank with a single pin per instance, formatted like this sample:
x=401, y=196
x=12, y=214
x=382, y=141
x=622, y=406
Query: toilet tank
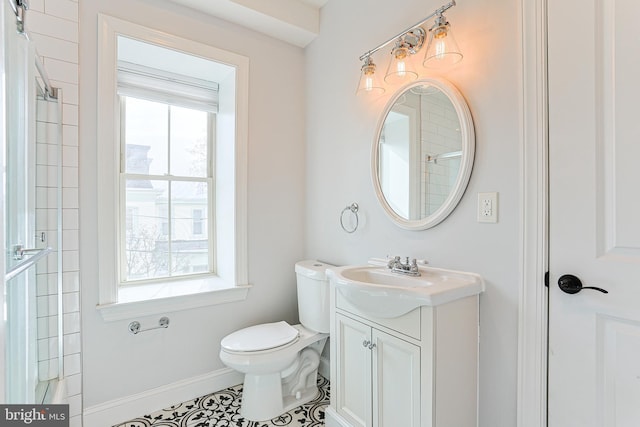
x=313, y=295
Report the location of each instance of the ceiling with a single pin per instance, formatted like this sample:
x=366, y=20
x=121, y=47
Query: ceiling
x=293, y=21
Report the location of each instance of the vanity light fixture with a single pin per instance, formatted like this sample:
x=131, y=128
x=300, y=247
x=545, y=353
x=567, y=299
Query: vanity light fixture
x=442, y=50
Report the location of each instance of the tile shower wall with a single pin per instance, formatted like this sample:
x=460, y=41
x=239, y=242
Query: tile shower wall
x=440, y=134
x=46, y=224
x=53, y=25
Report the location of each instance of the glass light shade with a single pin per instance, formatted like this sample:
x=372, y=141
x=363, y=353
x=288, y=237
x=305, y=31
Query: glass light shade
x=369, y=81
x=442, y=50
x=400, y=69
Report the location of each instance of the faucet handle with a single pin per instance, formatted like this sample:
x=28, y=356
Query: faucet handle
x=393, y=261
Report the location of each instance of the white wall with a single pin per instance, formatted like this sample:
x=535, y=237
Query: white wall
x=118, y=364
x=340, y=131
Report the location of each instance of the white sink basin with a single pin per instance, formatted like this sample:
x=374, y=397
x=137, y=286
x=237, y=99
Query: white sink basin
x=377, y=291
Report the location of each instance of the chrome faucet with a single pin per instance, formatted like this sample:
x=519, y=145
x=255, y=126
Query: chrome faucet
x=409, y=268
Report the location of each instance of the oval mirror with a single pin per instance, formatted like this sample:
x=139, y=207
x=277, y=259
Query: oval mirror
x=423, y=153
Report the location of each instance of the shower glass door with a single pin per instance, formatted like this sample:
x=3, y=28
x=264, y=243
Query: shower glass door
x=32, y=289
x=20, y=310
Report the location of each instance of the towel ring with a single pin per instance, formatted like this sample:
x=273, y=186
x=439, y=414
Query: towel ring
x=353, y=208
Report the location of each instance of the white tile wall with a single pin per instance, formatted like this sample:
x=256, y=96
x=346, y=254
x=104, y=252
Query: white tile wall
x=65, y=9
x=440, y=134
x=53, y=25
x=48, y=46
x=41, y=23
x=46, y=222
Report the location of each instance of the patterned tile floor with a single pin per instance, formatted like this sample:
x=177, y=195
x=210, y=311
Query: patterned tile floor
x=220, y=409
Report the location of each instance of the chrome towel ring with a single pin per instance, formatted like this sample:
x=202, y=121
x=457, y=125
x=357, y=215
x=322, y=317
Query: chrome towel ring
x=353, y=208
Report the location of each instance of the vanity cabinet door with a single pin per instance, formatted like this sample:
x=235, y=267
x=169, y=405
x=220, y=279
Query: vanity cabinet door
x=396, y=381
x=378, y=377
x=353, y=391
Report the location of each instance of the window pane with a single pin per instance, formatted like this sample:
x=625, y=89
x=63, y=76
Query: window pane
x=188, y=142
x=146, y=136
x=189, y=249
x=198, y=222
x=146, y=246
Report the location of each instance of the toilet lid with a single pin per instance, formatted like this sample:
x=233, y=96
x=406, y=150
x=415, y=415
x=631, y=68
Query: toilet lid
x=260, y=337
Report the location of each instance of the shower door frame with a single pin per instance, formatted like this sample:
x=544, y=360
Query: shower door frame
x=2, y=199
x=19, y=226
x=29, y=116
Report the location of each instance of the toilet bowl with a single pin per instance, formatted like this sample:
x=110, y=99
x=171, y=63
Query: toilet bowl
x=280, y=361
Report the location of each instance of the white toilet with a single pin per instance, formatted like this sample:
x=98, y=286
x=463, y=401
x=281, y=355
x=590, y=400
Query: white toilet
x=280, y=361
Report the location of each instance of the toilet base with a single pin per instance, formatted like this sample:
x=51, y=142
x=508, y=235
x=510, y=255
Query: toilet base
x=261, y=397
x=258, y=405
x=266, y=396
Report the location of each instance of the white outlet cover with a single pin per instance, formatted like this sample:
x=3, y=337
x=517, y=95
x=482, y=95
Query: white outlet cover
x=488, y=207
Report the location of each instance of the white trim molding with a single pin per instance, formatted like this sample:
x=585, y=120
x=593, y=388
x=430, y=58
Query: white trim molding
x=230, y=282
x=532, y=328
x=126, y=408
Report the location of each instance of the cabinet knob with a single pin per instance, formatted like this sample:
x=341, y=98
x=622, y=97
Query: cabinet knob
x=368, y=344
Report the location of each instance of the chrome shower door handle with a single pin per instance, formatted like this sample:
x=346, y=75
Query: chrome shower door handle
x=19, y=251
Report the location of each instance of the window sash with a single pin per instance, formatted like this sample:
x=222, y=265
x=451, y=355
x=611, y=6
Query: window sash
x=169, y=179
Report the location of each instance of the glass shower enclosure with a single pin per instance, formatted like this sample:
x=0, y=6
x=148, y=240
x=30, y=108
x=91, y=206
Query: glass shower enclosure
x=32, y=327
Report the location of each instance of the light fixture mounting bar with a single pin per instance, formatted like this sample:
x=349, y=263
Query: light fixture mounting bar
x=438, y=11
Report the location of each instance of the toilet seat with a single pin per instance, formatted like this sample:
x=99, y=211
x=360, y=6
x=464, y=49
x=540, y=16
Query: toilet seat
x=260, y=337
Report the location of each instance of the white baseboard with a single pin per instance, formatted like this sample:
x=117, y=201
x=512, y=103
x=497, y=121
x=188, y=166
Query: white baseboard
x=129, y=407
x=332, y=419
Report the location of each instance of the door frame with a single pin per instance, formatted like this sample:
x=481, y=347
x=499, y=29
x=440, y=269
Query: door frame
x=2, y=237
x=534, y=176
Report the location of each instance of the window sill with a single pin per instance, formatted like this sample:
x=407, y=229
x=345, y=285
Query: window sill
x=149, y=300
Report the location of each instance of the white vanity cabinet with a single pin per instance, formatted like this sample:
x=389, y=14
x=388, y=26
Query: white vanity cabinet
x=378, y=376
x=416, y=370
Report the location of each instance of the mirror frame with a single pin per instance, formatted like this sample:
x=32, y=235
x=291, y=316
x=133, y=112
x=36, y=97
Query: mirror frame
x=466, y=162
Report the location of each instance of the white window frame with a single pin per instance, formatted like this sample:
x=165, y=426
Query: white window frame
x=231, y=281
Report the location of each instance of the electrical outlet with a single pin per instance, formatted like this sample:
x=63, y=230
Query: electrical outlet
x=488, y=207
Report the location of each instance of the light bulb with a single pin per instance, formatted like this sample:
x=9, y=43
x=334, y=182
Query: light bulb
x=399, y=69
x=401, y=66
x=441, y=49
x=368, y=82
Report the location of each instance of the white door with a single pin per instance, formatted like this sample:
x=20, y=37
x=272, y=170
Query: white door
x=594, y=173
x=353, y=390
x=396, y=381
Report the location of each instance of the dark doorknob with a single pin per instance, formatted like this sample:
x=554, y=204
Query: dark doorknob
x=572, y=285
